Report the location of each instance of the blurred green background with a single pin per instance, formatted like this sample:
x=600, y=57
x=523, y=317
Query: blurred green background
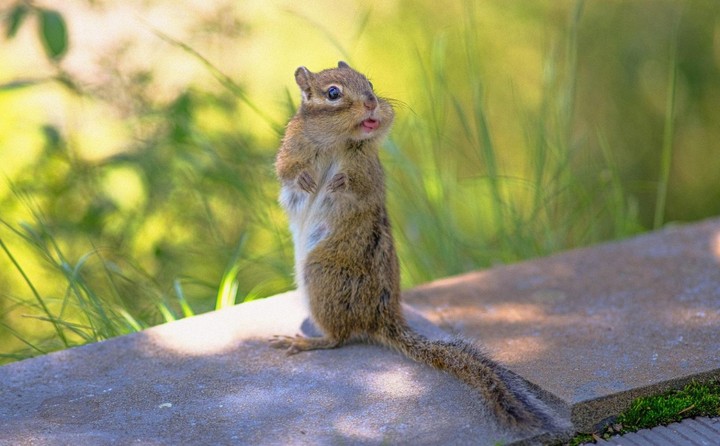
x=137, y=141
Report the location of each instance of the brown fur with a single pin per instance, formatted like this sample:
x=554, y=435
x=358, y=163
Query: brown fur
x=334, y=192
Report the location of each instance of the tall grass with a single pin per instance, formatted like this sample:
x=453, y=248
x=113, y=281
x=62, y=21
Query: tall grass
x=668, y=132
x=80, y=315
x=457, y=200
x=93, y=304
x=500, y=212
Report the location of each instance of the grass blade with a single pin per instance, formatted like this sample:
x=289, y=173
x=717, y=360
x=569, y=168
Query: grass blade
x=58, y=329
x=668, y=133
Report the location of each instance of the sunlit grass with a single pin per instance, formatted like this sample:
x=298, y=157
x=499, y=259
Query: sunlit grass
x=94, y=305
x=501, y=212
x=696, y=399
x=201, y=229
x=76, y=317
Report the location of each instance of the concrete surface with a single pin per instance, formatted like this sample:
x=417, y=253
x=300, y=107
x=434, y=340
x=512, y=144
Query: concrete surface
x=596, y=327
x=213, y=380
x=589, y=329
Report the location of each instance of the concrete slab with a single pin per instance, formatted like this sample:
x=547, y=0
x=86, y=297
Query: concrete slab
x=212, y=379
x=596, y=327
x=590, y=329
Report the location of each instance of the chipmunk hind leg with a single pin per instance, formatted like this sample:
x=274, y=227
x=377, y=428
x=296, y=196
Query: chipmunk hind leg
x=299, y=343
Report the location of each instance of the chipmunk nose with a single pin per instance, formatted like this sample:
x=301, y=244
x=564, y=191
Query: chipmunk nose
x=370, y=101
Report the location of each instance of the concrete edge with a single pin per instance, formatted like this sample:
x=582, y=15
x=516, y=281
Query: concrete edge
x=594, y=415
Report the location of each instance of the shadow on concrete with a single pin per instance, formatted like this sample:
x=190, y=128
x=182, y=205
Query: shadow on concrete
x=600, y=325
x=214, y=380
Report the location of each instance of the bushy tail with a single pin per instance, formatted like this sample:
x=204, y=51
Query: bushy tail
x=513, y=405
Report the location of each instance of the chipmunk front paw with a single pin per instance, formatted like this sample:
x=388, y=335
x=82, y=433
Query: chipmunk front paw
x=306, y=182
x=338, y=182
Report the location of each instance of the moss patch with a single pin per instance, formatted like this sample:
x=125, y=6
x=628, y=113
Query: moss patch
x=693, y=400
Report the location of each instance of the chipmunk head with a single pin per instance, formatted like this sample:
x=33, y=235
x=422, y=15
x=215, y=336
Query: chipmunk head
x=342, y=101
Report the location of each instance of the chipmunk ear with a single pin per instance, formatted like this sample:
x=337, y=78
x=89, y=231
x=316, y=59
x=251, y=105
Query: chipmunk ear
x=342, y=64
x=302, y=77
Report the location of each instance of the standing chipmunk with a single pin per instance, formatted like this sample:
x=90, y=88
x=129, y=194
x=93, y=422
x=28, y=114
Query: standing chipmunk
x=333, y=189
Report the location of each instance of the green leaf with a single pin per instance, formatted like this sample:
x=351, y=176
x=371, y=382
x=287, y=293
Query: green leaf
x=53, y=33
x=15, y=19
x=20, y=83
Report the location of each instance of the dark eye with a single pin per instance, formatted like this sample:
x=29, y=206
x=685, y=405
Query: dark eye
x=333, y=93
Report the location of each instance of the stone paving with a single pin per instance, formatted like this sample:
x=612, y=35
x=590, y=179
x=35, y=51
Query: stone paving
x=589, y=330
x=698, y=432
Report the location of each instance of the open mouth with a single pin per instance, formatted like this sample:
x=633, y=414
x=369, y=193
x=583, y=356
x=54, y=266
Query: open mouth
x=369, y=125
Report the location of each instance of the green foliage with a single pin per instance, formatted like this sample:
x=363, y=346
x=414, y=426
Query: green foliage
x=52, y=29
x=486, y=164
x=53, y=33
x=80, y=315
x=15, y=19
x=471, y=207
x=158, y=254
x=581, y=439
x=668, y=132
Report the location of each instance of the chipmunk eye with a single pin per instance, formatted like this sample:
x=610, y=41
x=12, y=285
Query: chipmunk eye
x=333, y=93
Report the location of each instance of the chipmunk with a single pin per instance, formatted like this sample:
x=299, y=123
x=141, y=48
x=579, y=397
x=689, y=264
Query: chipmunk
x=333, y=190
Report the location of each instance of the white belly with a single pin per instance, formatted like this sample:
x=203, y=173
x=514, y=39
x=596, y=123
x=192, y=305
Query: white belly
x=308, y=215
